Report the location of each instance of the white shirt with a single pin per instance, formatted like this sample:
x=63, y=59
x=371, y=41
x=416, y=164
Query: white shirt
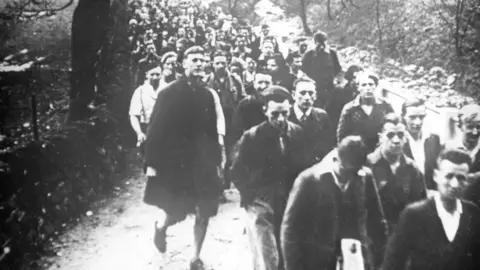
x=342, y=187
x=142, y=102
x=418, y=151
x=450, y=222
x=299, y=113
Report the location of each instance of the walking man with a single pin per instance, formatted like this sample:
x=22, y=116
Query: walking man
x=268, y=158
x=324, y=224
x=443, y=232
x=183, y=150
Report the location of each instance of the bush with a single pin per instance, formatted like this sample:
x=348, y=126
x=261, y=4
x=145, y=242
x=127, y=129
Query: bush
x=50, y=182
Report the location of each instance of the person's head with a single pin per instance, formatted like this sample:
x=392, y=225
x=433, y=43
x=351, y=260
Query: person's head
x=237, y=67
x=262, y=81
x=151, y=49
x=194, y=61
x=241, y=41
x=153, y=76
x=469, y=123
x=268, y=47
x=220, y=62
x=352, y=72
x=181, y=32
x=304, y=93
x=295, y=60
x=451, y=172
x=351, y=156
x=251, y=63
x=277, y=106
x=320, y=39
x=209, y=33
x=275, y=63
x=265, y=29
x=181, y=45
x=367, y=84
x=413, y=114
x=392, y=137
x=234, y=20
x=169, y=60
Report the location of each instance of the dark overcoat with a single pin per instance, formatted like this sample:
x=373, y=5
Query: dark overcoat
x=182, y=146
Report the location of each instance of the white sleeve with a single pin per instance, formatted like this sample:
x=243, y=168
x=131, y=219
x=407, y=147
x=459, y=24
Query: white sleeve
x=136, y=104
x=221, y=127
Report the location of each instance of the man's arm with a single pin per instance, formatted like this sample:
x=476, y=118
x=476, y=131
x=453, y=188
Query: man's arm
x=241, y=169
x=135, y=111
x=294, y=228
x=399, y=245
x=344, y=125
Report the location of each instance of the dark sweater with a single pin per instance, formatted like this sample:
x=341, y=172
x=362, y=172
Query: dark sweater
x=420, y=238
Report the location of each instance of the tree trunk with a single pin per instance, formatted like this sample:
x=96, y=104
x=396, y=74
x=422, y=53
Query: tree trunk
x=87, y=39
x=303, y=16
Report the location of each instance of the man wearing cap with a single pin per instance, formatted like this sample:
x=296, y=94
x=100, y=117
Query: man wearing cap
x=322, y=65
x=150, y=61
x=268, y=158
x=169, y=64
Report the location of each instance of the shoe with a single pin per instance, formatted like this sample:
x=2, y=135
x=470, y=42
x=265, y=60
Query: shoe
x=197, y=265
x=160, y=239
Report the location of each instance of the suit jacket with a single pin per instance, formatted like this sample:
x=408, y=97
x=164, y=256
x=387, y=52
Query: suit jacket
x=319, y=136
x=420, y=238
x=310, y=223
x=396, y=192
x=259, y=165
x=432, y=148
x=248, y=114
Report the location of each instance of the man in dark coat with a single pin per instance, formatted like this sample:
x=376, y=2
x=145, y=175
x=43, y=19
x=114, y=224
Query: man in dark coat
x=183, y=150
x=315, y=122
x=398, y=178
x=327, y=210
x=250, y=110
x=268, y=158
x=363, y=116
x=443, y=232
x=322, y=65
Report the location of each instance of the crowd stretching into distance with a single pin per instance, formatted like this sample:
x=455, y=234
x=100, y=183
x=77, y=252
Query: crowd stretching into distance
x=329, y=175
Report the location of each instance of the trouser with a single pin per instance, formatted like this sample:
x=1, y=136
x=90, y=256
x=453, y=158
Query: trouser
x=263, y=236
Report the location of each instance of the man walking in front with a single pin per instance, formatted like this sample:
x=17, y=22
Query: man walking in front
x=183, y=150
x=268, y=158
x=324, y=224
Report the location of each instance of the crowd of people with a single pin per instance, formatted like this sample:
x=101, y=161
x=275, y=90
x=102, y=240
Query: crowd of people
x=330, y=176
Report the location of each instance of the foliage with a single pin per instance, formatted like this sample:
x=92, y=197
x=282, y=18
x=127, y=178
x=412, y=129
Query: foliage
x=47, y=183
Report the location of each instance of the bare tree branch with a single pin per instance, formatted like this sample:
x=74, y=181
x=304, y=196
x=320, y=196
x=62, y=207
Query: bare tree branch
x=46, y=8
x=329, y=10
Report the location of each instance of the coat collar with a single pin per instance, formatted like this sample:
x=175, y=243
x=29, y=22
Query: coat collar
x=357, y=101
x=376, y=158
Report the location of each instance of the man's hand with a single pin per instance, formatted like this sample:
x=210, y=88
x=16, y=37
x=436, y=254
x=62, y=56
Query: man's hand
x=224, y=158
x=141, y=137
x=151, y=172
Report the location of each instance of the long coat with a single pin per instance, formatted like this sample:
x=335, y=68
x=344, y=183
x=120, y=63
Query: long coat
x=182, y=145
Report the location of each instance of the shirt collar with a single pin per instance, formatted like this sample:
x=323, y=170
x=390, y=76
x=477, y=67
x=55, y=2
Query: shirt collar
x=441, y=210
x=357, y=103
x=377, y=157
x=299, y=113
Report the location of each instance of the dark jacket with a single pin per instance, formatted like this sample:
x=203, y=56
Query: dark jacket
x=258, y=163
x=396, y=192
x=182, y=138
x=310, y=223
x=338, y=99
x=432, y=148
x=354, y=121
x=420, y=239
x=248, y=114
x=322, y=67
x=319, y=136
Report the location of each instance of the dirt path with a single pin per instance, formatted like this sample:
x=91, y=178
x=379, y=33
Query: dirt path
x=119, y=236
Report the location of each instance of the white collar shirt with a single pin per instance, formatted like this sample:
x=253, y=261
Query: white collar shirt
x=450, y=222
x=418, y=151
x=299, y=113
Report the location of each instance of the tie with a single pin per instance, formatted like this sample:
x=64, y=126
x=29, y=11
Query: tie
x=282, y=144
x=303, y=118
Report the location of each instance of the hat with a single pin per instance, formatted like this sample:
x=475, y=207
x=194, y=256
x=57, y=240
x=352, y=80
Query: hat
x=276, y=93
x=166, y=56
